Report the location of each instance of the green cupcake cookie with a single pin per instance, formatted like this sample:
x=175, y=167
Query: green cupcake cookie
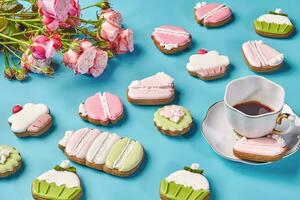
x=10, y=160
x=173, y=120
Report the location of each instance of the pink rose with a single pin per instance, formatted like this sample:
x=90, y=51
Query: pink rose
x=112, y=16
x=74, y=11
x=109, y=31
x=87, y=59
x=29, y=63
x=124, y=43
x=43, y=48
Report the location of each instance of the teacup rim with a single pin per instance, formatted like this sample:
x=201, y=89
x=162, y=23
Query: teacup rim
x=254, y=116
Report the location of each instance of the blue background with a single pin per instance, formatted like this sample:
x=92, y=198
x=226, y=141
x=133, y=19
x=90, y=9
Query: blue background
x=63, y=93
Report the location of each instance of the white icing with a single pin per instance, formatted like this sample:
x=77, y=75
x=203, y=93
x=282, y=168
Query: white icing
x=82, y=110
x=189, y=179
x=278, y=10
x=172, y=32
x=104, y=105
x=124, y=154
x=100, y=148
x=69, y=179
x=213, y=12
x=200, y=4
x=4, y=154
x=210, y=60
x=277, y=19
x=21, y=120
x=195, y=166
x=66, y=138
x=164, y=79
x=168, y=46
x=65, y=164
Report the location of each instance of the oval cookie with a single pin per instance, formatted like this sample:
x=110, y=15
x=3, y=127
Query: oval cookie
x=10, y=160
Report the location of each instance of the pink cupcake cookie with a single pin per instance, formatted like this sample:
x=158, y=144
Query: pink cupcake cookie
x=171, y=39
x=154, y=90
x=208, y=65
x=260, y=57
x=212, y=15
x=265, y=149
x=101, y=109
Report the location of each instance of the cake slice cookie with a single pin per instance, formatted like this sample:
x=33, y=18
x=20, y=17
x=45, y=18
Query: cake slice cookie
x=103, y=151
x=171, y=39
x=101, y=109
x=260, y=57
x=30, y=120
x=10, y=160
x=59, y=183
x=208, y=65
x=173, y=120
x=274, y=24
x=212, y=14
x=265, y=149
x=186, y=184
x=154, y=90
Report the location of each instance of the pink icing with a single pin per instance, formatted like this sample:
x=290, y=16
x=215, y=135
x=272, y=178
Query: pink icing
x=173, y=112
x=268, y=146
x=212, y=71
x=202, y=13
x=114, y=105
x=171, y=35
x=40, y=123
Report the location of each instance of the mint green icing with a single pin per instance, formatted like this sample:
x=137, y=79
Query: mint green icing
x=167, y=124
x=12, y=161
x=273, y=28
x=173, y=191
x=51, y=191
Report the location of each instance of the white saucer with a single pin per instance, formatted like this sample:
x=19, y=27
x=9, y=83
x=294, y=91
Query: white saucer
x=220, y=136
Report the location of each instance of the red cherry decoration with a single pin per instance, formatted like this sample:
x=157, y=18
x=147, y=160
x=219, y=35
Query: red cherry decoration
x=16, y=109
x=202, y=51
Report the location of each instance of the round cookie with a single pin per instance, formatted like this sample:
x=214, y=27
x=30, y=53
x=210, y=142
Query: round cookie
x=30, y=120
x=10, y=160
x=173, y=120
x=208, y=65
x=265, y=149
x=186, y=184
x=212, y=14
x=59, y=183
x=101, y=109
x=260, y=57
x=171, y=39
x=274, y=24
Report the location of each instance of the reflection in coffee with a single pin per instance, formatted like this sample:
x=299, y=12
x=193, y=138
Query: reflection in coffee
x=253, y=108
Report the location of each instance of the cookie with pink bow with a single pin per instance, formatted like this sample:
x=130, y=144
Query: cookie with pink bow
x=101, y=109
x=212, y=14
x=208, y=65
x=173, y=120
x=171, y=39
x=30, y=120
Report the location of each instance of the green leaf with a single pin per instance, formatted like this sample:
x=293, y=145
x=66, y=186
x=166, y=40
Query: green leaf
x=197, y=171
x=110, y=53
x=70, y=169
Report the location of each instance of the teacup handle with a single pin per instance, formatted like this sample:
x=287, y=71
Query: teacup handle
x=291, y=120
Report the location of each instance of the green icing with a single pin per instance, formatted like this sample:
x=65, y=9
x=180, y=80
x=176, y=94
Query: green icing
x=279, y=29
x=173, y=191
x=12, y=161
x=51, y=191
x=167, y=124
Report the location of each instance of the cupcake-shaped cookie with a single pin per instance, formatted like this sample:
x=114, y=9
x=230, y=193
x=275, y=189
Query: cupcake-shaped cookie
x=10, y=160
x=186, y=184
x=173, y=120
x=60, y=183
x=274, y=24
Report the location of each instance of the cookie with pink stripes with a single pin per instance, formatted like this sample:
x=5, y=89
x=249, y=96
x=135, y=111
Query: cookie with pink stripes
x=101, y=109
x=30, y=120
x=171, y=39
x=208, y=65
x=212, y=14
x=260, y=57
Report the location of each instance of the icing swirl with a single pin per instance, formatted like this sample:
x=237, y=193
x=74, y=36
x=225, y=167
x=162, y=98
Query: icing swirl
x=173, y=113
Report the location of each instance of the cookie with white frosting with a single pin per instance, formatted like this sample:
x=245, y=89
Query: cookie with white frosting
x=10, y=160
x=186, y=184
x=59, y=183
x=275, y=24
x=30, y=120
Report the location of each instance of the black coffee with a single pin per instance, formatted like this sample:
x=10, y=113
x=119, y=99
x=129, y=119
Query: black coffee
x=253, y=108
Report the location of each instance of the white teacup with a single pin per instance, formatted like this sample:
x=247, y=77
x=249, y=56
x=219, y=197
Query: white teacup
x=256, y=88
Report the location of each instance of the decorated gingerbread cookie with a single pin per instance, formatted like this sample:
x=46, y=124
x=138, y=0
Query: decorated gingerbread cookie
x=101, y=109
x=208, y=65
x=30, y=120
x=186, y=184
x=265, y=149
x=103, y=151
x=173, y=120
x=10, y=160
x=154, y=90
x=212, y=14
x=60, y=183
x=274, y=24
x=260, y=57
x=171, y=39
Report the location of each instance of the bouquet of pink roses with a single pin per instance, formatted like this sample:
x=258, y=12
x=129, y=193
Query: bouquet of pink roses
x=31, y=36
